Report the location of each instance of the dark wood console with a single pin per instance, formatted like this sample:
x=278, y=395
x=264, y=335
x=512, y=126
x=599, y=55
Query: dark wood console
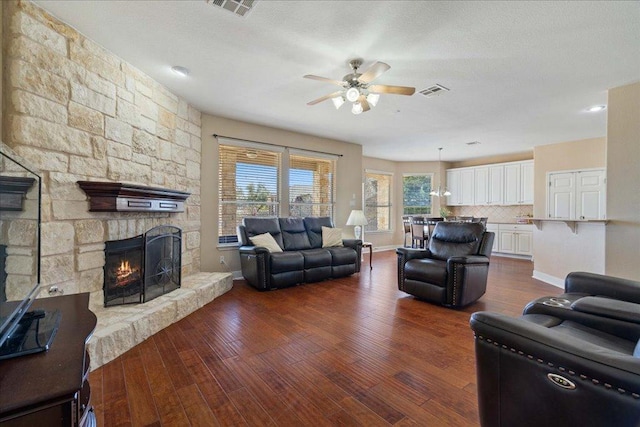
x=52, y=388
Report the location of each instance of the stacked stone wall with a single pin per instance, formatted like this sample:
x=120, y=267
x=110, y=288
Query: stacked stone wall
x=78, y=112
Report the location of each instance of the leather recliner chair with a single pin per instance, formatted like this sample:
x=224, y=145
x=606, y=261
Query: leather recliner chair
x=453, y=270
x=570, y=360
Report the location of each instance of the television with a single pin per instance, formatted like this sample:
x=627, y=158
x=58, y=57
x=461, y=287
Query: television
x=22, y=331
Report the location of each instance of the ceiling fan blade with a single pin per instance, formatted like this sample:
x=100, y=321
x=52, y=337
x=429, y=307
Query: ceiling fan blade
x=324, y=79
x=363, y=101
x=324, y=98
x=373, y=72
x=396, y=90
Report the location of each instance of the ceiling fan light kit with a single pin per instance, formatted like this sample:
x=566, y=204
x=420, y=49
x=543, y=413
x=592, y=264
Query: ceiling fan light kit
x=357, y=88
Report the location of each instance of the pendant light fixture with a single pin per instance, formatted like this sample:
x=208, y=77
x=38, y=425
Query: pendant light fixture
x=439, y=192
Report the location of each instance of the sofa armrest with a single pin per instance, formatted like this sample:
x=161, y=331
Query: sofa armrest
x=409, y=253
x=598, y=284
x=471, y=259
x=523, y=366
x=253, y=250
x=467, y=279
x=254, y=263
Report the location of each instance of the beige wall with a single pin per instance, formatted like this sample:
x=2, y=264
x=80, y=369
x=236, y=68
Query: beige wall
x=583, y=154
x=348, y=178
x=623, y=182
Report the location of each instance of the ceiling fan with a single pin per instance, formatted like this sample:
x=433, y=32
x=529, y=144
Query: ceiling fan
x=357, y=87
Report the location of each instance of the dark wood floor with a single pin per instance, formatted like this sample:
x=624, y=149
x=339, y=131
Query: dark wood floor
x=354, y=351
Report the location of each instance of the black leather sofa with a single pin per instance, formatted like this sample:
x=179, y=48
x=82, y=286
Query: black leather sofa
x=570, y=360
x=303, y=259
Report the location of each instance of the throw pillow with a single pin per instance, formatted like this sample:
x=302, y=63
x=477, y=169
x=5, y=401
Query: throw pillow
x=266, y=240
x=331, y=237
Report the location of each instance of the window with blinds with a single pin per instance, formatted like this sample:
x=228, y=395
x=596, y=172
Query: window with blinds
x=377, y=201
x=311, y=185
x=248, y=186
x=415, y=194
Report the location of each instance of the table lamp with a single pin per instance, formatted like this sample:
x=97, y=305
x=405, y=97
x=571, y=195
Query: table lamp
x=357, y=218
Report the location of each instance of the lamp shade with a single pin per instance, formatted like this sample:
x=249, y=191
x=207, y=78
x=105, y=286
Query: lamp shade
x=356, y=217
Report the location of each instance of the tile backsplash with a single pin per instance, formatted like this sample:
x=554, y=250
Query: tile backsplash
x=501, y=214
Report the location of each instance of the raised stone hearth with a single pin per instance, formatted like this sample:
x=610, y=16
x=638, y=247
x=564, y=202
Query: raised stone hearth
x=122, y=327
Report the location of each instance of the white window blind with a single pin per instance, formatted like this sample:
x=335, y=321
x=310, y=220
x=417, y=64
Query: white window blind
x=311, y=185
x=377, y=201
x=248, y=186
x=415, y=193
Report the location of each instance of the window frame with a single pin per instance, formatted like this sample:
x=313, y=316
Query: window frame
x=376, y=206
x=282, y=205
x=228, y=240
x=430, y=205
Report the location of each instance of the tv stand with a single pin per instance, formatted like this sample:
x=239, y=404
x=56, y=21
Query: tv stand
x=51, y=387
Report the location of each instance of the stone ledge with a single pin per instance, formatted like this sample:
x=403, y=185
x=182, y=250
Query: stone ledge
x=122, y=327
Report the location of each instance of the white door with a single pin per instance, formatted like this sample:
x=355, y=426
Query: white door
x=561, y=195
x=526, y=183
x=591, y=194
x=467, y=187
x=481, y=194
x=496, y=185
x=512, y=184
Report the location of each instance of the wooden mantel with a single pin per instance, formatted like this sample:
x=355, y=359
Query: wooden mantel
x=121, y=197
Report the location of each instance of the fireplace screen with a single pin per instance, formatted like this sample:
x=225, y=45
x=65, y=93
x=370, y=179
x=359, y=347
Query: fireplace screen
x=142, y=268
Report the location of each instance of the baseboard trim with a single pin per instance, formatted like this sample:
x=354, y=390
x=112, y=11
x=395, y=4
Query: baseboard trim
x=547, y=278
x=516, y=256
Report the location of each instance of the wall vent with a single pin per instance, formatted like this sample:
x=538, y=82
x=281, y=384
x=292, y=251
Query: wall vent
x=433, y=91
x=238, y=7
x=473, y=143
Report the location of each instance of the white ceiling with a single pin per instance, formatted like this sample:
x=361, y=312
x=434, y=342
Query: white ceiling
x=521, y=74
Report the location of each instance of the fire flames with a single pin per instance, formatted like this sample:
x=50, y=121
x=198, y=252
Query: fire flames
x=125, y=274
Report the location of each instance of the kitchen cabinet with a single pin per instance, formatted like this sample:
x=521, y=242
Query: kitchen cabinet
x=577, y=195
x=498, y=184
x=496, y=240
x=518, y=183
x=515, y=239
x=461, y=184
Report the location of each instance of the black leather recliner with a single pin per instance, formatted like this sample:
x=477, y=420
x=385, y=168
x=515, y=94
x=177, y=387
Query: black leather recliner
x=453, y=270
x=570, y=360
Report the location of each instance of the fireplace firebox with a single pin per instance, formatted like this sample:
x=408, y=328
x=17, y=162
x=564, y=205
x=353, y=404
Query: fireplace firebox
x=144, y=267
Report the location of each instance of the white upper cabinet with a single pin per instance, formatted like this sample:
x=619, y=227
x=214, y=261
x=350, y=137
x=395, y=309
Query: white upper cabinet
x=481, y=194
x=498, y=184
x=467, y=186
x=461, y=184
x=577, y=195
x=518, y=183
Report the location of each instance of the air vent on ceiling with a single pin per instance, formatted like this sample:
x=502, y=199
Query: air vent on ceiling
x=473, y=143
x=239, y=7
x=433, y=91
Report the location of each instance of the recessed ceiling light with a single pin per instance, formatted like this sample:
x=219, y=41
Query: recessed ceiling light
x=181, y=71
x=596, y=108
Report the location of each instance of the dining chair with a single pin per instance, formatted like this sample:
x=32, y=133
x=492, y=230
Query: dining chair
x=481, y=219
x=464, y=219
x=431, y=224
x=406, y=224
x=418, y=236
